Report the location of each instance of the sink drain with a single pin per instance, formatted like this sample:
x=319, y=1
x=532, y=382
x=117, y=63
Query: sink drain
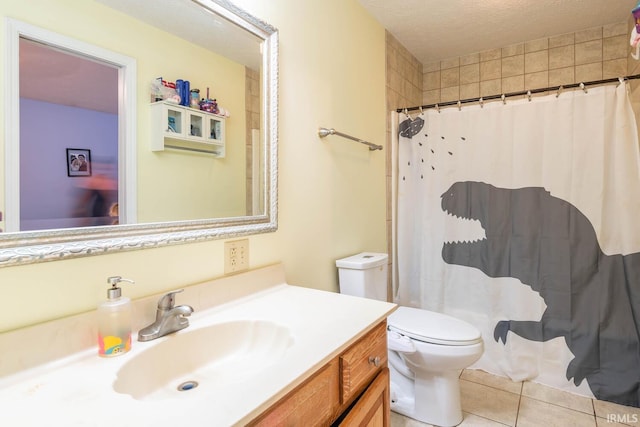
x=188, y=385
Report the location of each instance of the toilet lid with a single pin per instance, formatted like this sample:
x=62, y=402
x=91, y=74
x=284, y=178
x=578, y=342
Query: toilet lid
x=432, y=327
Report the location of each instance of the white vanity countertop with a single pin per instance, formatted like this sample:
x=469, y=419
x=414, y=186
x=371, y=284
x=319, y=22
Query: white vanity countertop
x=77, y=390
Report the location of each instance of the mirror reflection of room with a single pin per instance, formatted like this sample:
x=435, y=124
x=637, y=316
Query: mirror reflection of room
x=71, y=102
x=68, y=139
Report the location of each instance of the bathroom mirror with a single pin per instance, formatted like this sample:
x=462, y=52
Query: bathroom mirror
x=229, y=32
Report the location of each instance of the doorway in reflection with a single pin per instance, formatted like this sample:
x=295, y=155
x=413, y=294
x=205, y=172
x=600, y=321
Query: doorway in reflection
x=68, y=139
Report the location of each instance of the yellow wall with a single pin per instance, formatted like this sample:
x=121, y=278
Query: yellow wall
x=331, y=191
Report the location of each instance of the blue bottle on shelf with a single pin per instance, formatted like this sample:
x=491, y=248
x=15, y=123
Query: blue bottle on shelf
x=180, y=89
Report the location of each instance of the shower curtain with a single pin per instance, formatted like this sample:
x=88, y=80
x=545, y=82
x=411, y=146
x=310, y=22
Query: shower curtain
x=522, y=218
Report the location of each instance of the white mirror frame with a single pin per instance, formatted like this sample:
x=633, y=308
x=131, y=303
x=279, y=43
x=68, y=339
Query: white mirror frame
x=21, y=248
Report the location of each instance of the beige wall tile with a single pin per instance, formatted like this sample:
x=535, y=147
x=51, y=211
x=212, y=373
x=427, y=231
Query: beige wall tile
x=589, y=72
x=536, y=45
x=536, y=61
x=614, y=68
x=514, y=49
x=562, y=76
x=449, y=63
x=512, y=84
x=490, y=87
x=537, y=80
x=450, y=94
x=512, y=66
x=471, y=90
x=470, y=59
x=490, y=55
x=588, y=34
x=431, y=80
x=394, y=79
x=561, y=40
x=633, y=67
x=431, y=96
x=588, y=52
x=431, y=66
x=615, y=47
x=470, y=73
x=611, y=30
x=392, y=58
x=560, y=57
x=592, y=54
x=490, y=70
x=450, y=77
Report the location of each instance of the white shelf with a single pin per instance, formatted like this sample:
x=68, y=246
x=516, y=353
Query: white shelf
x=183, y=128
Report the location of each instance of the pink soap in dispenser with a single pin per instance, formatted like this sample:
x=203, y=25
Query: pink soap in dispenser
x=114, y=321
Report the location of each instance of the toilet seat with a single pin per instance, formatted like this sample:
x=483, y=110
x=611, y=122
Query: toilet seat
x=431, y=327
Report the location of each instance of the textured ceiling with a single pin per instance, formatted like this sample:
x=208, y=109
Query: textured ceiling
x=440, y=29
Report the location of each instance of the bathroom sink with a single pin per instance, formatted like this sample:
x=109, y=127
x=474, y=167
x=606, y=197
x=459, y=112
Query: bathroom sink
x=203, y=359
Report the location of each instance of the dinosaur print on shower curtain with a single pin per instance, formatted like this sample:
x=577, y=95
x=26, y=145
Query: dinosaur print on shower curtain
x=593, y=299
x=533, y=237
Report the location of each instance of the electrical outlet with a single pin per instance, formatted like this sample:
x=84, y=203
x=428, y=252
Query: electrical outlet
x=236, y=256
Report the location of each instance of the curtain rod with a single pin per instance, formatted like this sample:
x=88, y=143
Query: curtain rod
x=524, y=92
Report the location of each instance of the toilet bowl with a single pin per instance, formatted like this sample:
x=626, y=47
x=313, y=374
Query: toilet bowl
x=427, y=350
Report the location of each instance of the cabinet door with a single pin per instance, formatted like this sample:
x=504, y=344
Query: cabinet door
x=196, y=122
x=313, y=403
x=372, y=409
x=215, y=129
x=174, y=121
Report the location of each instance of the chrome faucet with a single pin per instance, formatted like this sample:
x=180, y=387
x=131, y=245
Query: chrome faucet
x=169, y=318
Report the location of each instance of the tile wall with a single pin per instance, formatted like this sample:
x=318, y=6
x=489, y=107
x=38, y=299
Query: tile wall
x=252, y=104
x=404, y=88
x=592, y=54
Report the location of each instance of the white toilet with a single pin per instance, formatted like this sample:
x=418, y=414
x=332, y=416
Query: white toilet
x=427, y=350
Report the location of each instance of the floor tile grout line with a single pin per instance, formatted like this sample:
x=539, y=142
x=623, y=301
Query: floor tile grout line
x=519, y=403
x=497, y=388
x=486, y=418
x=520, y=394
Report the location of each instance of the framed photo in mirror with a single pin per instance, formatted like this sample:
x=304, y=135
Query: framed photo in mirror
x=78, y=162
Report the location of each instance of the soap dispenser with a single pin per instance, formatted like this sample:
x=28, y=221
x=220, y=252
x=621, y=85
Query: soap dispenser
x=114, y=321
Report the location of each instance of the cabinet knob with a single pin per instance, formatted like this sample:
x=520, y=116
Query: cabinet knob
x=375, y=361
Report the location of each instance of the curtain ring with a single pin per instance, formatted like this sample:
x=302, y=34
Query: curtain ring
x=459, y=105
x=481, y=100
x=504, y=99
x=620, y=80
x=421, y=111
x=529, y=95
x=582, y=86
x=406, y=113
x=437, y=108
x=559, y=90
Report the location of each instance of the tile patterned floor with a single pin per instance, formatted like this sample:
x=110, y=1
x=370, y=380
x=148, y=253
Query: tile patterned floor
x=492, y=401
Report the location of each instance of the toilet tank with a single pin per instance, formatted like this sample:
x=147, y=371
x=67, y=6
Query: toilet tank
x=364, y=275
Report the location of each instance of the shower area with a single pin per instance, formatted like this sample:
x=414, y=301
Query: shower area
x=518, y=213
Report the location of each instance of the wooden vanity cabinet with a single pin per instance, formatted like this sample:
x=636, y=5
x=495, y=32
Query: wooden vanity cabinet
x=351, y=390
